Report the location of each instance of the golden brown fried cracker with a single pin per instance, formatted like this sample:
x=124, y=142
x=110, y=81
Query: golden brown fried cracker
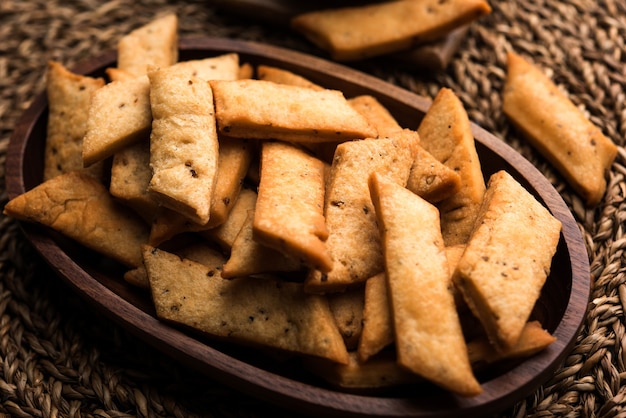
x=377, y=115
x=532, y=340
x=81, y=208
x=248, y=257
x=500, y=282
x=154, y=44
x=446, y=133
x=225, y=234
x=119, y=115
x=377, y=330
x=256, y=311
x=234, y=158
x=429, y=178
x=347, y=309
x=219, y=67
x=557, y=128
x=130, y=177
x=364, y=31
x=289, y=214
x=265, y=110
x=282, y=76
x=183, y=143
x=380, y=372
x=68, y=96
x=115, y=74
x=428, y=335
x=354, y=241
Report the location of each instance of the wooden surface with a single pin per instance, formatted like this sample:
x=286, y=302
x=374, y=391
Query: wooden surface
x=561, y=307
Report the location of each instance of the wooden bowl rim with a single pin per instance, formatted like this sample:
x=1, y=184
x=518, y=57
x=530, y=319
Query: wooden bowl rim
x=499, y=392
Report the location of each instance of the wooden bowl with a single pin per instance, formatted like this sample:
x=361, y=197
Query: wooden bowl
x=561, y=307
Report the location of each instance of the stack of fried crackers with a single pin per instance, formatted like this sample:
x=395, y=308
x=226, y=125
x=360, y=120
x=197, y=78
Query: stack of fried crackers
x=258, y=207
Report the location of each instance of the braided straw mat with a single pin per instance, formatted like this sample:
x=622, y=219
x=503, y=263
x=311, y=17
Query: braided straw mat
x=59, y=358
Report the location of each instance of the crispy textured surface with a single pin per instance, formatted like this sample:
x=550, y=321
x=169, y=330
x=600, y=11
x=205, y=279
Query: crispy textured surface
x=183, y=143
x=380, y=372
x=153, y=44
x=233, y=163
x=428, y=178
x=354, y=241
x=377, y=330
x=119, y=114
x=445, y=132
x=224, y=235
x=282, y=76
x=81, y=208
x=428, y=335
x=220, y=67
x=266, y=110
x=130, y=177
x=431, y=179
x=359, y=32
x=68, y=96
x=257, y=311
x=347, y=309
x=570, y=141
x=377, y=115
x=532, y=340
x=289, y=215
x=500, y=282
x=248, y=257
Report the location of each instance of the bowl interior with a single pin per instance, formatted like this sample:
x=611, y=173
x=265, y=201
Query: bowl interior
x=561, y=307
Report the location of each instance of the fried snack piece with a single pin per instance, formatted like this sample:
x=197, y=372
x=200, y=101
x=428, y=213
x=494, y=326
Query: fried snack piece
x=383, y=371
x=347, y=309
x=282, y=76
x=289, y=215
x=259, y=109
x=359, y=32
x=533, y=339
x=429, y=178
x=225, y=234
x=119, y=114
x=454, y=254
x=322, y=150
x=68, y=96
x=557, y=129
x=115, y=74
x=263, y=312
x=428, y=335
x=81, y=208
x=248, y=257
x=130, y=177
x=183, y=143
x=446, y=133
x=499, y=282
x=220, y=67
x=377, y=115
x=377, y=330
x=154, y=44
x=354, y=240
x=233, y=160
x=246, y=70
x=380, y=372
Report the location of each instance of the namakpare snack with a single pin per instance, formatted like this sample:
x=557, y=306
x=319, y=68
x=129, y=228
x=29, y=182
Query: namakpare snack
x=339, y=172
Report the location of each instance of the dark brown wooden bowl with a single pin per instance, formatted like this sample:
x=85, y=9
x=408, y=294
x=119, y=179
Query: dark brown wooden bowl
x=561, y=307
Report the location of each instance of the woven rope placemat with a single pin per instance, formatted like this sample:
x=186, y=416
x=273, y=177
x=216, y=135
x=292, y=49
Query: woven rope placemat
x=60, y=358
